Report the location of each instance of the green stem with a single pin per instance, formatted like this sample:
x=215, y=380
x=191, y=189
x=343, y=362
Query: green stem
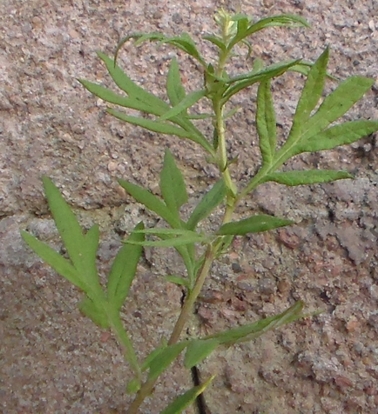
x=187, y=309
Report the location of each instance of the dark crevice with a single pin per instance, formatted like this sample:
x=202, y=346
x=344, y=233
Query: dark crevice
x=200, y=403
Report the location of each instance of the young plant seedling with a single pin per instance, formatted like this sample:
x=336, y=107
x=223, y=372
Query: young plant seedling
x=313, y=129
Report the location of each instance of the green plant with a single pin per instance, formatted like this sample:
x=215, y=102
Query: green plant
x=313, y=129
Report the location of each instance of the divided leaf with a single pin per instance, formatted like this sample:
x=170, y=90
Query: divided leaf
x=207, y=204
x=150, y=201
x=185, y=400
x=292, y=178
x=266, y=122
x=160, y=362
x=172, y=185
x=61, y=265
x=198, y=350
x=175, y=90
x=256, y=329
x=123, y=269
x=95, y=312
x=254, y=224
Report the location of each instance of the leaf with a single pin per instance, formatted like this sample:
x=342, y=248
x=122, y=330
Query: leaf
x=254, y=224
x=163, y=359
x=151, y=125
x=150, y=201
x=157, y=106
x=177, y=280
x=67, y=224
x=185, y=400
x=175, y=90
x=109, y=96
x=173, y=241
x=153, y=354
x=207, y=204
x=61, y=265
x=292, y=178
x=123, y=270
x=345, y=133
x=91, y=240
x=311, y=93
x=280, y=20
x=172, y=185
x=95, y=312
x=266, y=122
x=238, y=83
x=186, y=43
x=183, y=105
x=256, y=329
x=217, y=41
x=198, y=350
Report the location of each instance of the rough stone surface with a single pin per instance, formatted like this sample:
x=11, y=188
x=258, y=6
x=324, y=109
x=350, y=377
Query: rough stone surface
x=52, y=360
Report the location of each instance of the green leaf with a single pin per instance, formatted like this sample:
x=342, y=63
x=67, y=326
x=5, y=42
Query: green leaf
x=177, y=280
x=198, y=350
x=256, y=329
x=172, y=185
x=95, y=312
x=183, y=105
x=185, y=400
x=157, y=106
x=109, y=96
x=207, y=204
x=287, y=20
x=150, y=201
x=217, y=41
x=61, y=265
x=345, y=133
x=186, y=43
x=292, y=178
x=173, y=241
x=151, y=125
x=254, y=224
x=238, y=83
x=123, y=269
x=153, y=355
x=175, y=90
x=311, y=93
x=266, y=122
x=133, y=386
x=67, y=224
x=163, y=359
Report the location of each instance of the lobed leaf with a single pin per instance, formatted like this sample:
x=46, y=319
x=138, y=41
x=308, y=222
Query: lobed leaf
x=311, y=93
x=172, y=185
x=198, y=350
x=256, y=329
x=175, y=90
x=95, y=312
x=254, y=224
x=207, y=204
x=123, y=269
x=287, y=20
x=151, y=202
x=292, y=178
x=177, y=280
x=185, y=400
x=157, y=106
x=266, y=122
x=173, y=241
x=109, y=96
x=163, y=359
x=342, y=134
x=238, y=83
x=61, y=265
x=183, y=105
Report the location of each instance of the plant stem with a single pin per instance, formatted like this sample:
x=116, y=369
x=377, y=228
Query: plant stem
x=186, y=310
